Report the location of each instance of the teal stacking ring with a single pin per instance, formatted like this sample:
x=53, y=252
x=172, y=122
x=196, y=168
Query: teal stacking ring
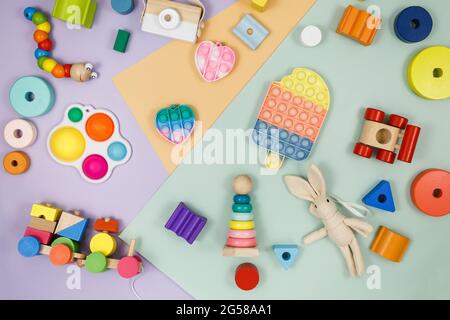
x=31, y=96
x=238, y=207
x=242, y=216
x=241, y=199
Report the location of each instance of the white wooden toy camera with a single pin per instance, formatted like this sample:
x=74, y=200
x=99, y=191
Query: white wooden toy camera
x=173, y=19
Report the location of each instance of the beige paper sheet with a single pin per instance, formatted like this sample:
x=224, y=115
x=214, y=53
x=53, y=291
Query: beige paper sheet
x=169, y=75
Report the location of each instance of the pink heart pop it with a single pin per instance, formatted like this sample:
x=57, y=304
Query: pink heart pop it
x=214, y=60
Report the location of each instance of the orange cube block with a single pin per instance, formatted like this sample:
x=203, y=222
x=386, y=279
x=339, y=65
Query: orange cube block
x=359, y=25
x=389, y=244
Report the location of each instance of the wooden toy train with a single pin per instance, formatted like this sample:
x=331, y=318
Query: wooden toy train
x=57, y=234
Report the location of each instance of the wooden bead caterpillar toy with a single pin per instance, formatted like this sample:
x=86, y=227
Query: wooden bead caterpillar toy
x=80, y=72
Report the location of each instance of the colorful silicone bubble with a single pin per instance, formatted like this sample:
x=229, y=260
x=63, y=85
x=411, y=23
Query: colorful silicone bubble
x=292, y=114
x=89, y=139
x=175, y=123
x=214, y=61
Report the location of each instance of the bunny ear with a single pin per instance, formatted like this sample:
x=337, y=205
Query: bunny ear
x=300, y=188
x=316, y=180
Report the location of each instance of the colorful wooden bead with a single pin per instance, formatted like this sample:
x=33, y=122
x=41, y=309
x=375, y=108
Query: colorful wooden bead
x=38, y=18
x=38, y=53
x=20, y=133
x=389, y=244
x=241, y=242
x=96, y=262
x=242, y=185
x=238, y=207
x=58, y=71
x=29, y=12
x=67, y=68
x=40, y=36
x=430, y=192
x=60, y=255
x=103, y=243
x=32, y=96
x=45, y=45
x=28, y=246
x=40, y=61
x=16, y=162
x=243, y=234
x=246, y=276
x=48, y=65
x=241, y=198
x=242, y=225
x=46, y=26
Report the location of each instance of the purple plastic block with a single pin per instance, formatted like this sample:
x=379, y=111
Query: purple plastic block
x=185, y=223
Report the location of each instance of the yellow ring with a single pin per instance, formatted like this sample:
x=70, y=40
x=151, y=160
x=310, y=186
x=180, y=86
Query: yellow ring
x=242, y=225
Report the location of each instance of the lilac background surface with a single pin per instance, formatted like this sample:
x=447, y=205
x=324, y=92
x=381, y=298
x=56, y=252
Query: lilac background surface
x=122, y=196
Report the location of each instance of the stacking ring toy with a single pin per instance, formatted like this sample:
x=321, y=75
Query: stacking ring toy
x=241, y=233
x=429, y=73
x=413, y=24
x=16, y=162
x=242, y=225
x=78, y=71
x=241, y=242
x=20, y=133
x=242, y=216
x=31, y=96
x=430, y=192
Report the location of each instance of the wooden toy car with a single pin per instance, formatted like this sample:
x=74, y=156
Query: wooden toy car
x=385, y=137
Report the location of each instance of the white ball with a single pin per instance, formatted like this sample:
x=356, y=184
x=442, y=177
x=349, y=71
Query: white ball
x=311, y=36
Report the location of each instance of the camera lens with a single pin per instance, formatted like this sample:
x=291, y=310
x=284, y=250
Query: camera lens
x=169, y=18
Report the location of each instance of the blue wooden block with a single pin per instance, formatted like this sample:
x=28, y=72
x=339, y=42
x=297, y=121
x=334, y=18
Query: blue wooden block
x=380, y=197
x=285, y=254
x=74, y=232
x=250, y=31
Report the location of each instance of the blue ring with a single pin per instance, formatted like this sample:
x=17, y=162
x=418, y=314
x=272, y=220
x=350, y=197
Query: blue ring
x=413, y=24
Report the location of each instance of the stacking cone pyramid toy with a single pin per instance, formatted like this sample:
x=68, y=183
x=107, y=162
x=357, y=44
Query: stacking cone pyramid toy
x=241, y=241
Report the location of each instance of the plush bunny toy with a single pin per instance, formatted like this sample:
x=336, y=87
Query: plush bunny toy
x=336, y=225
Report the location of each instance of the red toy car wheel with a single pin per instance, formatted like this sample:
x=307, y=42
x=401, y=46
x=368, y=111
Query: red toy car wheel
x=374, y=115
x=397, y=121
x=386, y=156
x=362, y=150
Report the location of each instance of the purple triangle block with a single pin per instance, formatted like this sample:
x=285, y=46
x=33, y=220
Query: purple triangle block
x=186, y=223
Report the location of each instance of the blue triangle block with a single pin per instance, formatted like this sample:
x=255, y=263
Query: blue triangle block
x=380, y=197
x=286, y=254
x=76, y=231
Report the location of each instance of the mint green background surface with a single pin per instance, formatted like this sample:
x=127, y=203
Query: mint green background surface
x=357, y=77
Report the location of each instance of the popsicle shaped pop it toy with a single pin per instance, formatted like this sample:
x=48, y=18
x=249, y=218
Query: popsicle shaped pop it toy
x=214, y=60
x=292, y=115
x=89, y=139
x=175, y=123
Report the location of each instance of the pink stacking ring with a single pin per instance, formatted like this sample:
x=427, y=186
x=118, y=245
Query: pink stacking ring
x=241, y=234
x=241, y=243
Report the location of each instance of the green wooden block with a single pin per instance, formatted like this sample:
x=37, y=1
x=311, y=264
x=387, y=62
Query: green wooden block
x=121, y=40
x=77, y=12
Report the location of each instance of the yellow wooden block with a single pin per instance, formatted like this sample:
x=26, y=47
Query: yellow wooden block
x=242, y=225
x=260, y=5
x=45, y=211
x=103, y=243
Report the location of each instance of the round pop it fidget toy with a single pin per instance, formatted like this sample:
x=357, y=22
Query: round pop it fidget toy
x=89, y=139
x=214, y=61
x=175, y=123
